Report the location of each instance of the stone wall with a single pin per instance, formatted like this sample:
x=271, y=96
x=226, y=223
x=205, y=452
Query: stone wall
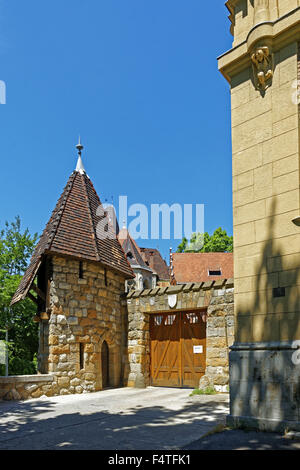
x=216, y=297
x=220, y=336
x=83, y=314
x=22, y=387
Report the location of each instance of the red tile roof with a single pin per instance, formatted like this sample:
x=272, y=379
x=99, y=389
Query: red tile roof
x=153, y=258
x=72, y=231
x=195, y=267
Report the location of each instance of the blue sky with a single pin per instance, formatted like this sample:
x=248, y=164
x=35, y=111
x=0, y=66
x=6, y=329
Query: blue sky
x=139, y=81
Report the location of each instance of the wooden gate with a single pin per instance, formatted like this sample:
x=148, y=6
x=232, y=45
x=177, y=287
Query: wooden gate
x=178, y=349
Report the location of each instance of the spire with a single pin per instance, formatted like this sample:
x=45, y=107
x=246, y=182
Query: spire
x=79, y=167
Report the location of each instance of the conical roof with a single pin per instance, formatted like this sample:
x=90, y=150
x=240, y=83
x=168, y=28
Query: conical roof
x=72, y=231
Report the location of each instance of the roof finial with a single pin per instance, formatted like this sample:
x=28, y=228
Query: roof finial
x=79, y=166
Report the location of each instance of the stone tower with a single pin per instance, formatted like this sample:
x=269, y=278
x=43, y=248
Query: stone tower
x=77, y=277
x=263, y=71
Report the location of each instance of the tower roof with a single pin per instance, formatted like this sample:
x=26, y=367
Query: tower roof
x=72, y=231
x=132, y=250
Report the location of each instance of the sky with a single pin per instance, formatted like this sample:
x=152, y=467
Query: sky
x=138, y=80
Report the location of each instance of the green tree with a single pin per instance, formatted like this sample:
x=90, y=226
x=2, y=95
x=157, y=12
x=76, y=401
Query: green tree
x=16, y=248
x=182, y=246
x=219, y=241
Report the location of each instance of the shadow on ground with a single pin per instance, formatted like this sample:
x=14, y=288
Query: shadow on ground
x=43, y=424
x=244, y=440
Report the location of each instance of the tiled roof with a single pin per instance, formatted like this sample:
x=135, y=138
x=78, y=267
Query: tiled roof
x=72, y=231
x=153, y=258
x=132, y=250
x=195, y=267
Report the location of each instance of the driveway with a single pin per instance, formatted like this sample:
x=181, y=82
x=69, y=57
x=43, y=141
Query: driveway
x=116, y=419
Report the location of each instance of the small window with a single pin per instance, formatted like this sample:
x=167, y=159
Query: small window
x=105, y=277
x=192, y=318
x=81, y=355
x=80, y=270
x=279, y=292
x=170, y=320
x=158, y=320
x=216, y=272
x=129, y=255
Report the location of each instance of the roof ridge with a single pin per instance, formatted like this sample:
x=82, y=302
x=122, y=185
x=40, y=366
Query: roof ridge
x=85, y=177
x=61, y=209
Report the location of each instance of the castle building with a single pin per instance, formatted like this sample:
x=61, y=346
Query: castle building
x=145, y=278
x=155, y=261
x=76, y=277
x=263, y=71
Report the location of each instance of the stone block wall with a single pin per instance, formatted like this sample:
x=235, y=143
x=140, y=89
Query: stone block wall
x=219, y=338
x=23, y=387
x=216, y=297
x=83, y=314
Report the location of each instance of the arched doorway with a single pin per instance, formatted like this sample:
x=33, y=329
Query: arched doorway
x=105, y=364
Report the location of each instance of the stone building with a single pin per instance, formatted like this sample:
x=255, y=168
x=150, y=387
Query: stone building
x=157, y=264
x=76, y=277
x=145, y=278
x=263, y=71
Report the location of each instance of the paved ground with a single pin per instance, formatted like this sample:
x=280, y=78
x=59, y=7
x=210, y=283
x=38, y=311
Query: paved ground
x=244, y=440
x=118, y=419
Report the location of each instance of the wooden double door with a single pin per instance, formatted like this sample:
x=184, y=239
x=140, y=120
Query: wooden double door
x=178, y=348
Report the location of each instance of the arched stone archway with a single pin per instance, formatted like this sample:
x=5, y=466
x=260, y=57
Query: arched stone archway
x=110, y=357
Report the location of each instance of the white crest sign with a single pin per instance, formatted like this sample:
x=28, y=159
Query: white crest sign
x=172, y=300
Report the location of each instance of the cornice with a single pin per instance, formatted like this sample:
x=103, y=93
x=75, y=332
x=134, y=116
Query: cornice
x=276, y=34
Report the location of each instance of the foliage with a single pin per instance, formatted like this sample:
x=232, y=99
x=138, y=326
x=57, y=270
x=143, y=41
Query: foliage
x=206, y=391
x=16, y=247
x=182, y=246
x=219, y=241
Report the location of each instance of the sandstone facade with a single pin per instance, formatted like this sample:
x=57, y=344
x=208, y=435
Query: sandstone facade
x=263, y=71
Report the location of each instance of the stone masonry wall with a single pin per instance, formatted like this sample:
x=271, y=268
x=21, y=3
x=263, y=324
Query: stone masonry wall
x=216, y=297
x=84, y=313
x=22, y=387
x=219, y=338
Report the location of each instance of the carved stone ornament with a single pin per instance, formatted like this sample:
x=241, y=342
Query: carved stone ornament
x=262, y=64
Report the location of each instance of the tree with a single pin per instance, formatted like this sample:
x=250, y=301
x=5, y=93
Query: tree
x=182, y=246
x=219, y=241
x=16, y=247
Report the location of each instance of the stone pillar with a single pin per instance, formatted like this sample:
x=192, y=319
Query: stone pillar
x=219, y=337
x=263, y=74
x=138, y=347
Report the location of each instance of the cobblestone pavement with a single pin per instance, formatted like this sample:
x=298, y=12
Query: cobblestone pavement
x=116, y=419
